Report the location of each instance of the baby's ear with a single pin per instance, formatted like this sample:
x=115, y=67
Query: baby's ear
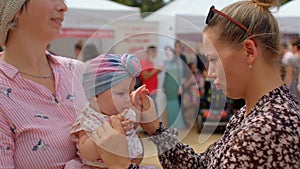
x=94, y=104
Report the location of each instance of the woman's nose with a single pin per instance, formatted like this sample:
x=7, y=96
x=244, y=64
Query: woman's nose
x=211, y=74
x=62, y=6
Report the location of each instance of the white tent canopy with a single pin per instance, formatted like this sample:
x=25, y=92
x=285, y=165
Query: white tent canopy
x=183, y=19
x=97, y=13
x=288, y=17
x=186, y=16
x=85, y=17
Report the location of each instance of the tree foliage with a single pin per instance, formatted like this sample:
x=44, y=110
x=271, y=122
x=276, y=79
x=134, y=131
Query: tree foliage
x=145, y=5
x=285, y=1
x=153, y=5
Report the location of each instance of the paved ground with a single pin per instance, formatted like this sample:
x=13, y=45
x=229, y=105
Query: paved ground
x=191, y=137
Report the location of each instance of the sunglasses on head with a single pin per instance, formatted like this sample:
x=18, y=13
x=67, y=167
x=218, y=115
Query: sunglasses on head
x=296, y=44
x=213, y=11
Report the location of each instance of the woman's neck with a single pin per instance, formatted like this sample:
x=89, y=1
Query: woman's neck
x=297, y=54
x=261, y=85
x=25, y=56
x=25, y=49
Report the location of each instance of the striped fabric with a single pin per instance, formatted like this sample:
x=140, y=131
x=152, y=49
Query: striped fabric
x=34, y=123
x=108, y=70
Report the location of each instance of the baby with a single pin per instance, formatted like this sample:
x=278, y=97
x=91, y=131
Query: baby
x=108, y=82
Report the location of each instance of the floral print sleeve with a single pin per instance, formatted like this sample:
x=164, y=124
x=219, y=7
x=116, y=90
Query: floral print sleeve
x=173, y=154
x=133, y=166
x=268, y=137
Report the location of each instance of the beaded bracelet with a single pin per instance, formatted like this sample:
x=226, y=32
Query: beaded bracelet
x=133, y=166
x=161, y=129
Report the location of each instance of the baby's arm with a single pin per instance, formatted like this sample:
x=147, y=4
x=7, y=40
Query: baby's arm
x=87, y=147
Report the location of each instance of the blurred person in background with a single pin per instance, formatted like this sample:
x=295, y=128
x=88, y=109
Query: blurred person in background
x=286, y=70
x=89, y=51
x=294, y=64
x=286, y=52
x=172, y=82
x=149, y=73
x=183, y=61
x=77, y=49
x=191, y=97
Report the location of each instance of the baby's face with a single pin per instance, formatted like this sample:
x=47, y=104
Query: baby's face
x=116, y=99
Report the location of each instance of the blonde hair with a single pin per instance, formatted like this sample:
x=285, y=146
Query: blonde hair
x=254, y=15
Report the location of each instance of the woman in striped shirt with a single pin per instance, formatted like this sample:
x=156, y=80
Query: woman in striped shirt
x=39, y=92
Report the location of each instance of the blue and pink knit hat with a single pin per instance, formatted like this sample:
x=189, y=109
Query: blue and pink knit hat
x=107, y=70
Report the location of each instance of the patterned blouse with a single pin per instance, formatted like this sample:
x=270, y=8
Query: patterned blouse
x=268, y=137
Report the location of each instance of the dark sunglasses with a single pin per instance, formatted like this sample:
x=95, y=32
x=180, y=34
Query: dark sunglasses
x=212, y=12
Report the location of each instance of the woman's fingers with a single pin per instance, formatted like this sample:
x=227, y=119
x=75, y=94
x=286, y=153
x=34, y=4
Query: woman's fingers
x=95, y=136
x=112, y=146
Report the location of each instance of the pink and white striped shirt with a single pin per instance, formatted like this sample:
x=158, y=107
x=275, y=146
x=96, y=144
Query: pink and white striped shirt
x=34, y=123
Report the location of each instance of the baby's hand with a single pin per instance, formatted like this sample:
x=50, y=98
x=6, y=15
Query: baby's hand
x=116, y=123
x=140, y=99
x=127, y=124
x=144, y=106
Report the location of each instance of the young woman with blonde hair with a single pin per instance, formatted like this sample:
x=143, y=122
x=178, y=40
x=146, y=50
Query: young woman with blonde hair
x=241, y=43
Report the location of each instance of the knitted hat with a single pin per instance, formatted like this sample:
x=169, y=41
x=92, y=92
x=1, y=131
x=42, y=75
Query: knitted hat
x=105, y=71
x=8, y=10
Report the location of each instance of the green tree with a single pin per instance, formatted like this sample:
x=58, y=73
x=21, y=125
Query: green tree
x=151, y=5
x=133, y=3
x=147, y=6
x=285, y=1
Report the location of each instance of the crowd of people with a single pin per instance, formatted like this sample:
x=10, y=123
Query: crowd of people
x=58, y=112
x=291, y=64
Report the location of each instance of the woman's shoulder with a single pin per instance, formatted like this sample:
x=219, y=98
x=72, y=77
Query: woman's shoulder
x=66, y=60
x=280, y=99
x=280, y=112
x=277, y=108
x=69, y=63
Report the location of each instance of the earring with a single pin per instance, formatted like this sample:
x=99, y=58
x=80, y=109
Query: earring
x=14, y=24
x=250, y=66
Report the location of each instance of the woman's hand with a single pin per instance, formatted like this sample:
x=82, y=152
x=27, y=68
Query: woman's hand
x=112, y=144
